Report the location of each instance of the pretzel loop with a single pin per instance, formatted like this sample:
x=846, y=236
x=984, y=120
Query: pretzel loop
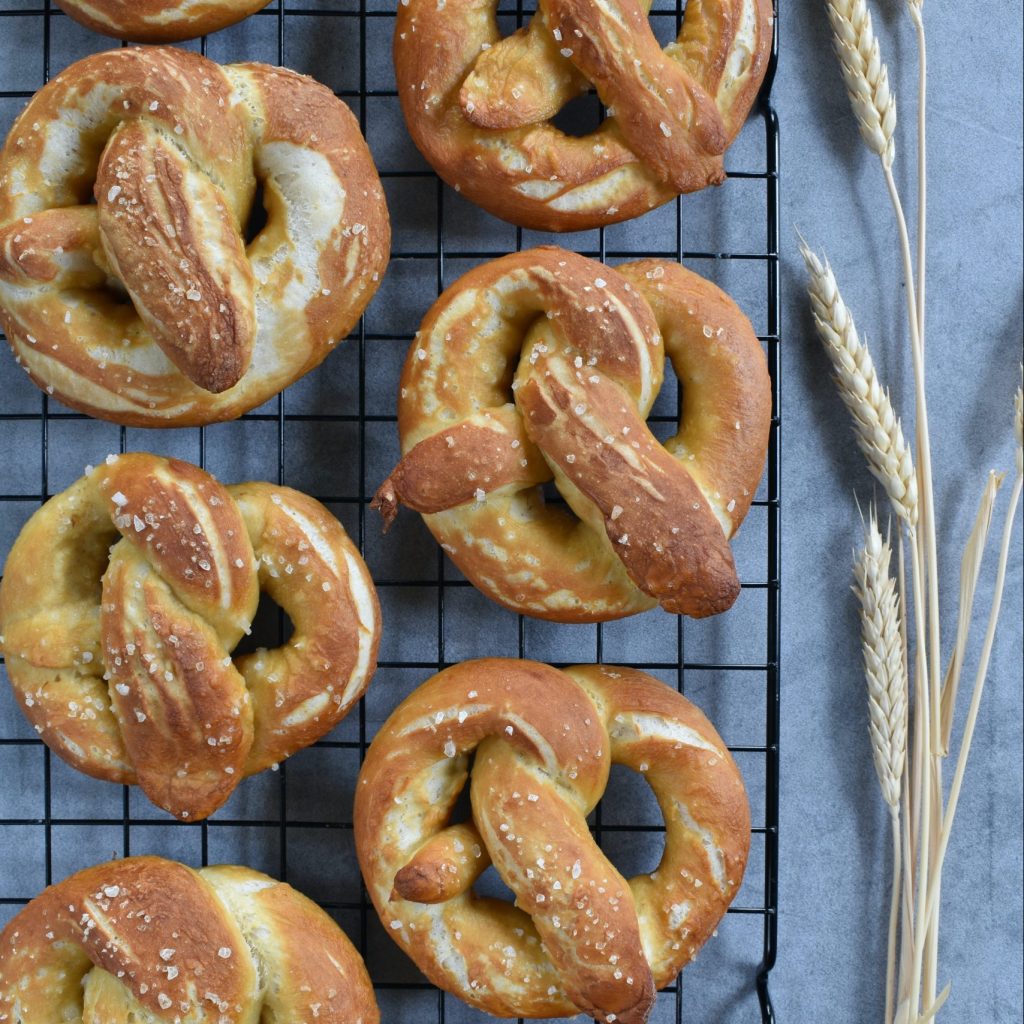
x=136, y=684
x=479, y=106
x=581, y=937
x=171, y=147
x=544, y=365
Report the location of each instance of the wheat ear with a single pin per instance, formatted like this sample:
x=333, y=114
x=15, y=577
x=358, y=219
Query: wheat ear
x=878, y=429
x=864, y=75
x=882, y=642
x=883, y=659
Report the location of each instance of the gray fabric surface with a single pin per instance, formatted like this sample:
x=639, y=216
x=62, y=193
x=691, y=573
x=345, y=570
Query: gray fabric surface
x=834, y=838
x=833, y=830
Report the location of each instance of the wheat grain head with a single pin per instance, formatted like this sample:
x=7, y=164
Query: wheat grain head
x=883, y=659
x=876, y=425
x=865, y=76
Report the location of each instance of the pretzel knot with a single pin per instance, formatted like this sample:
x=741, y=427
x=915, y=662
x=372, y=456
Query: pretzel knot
x=544, y=365
x=581, y=937
x=479, y=106
x=147, y=939
x=133, y=681
x=148, y=307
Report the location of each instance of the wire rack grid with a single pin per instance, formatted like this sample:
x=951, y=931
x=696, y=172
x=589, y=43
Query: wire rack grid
x=333, y=435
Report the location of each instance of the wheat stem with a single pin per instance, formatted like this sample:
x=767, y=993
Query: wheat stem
x=970, y=570
x=979, y=685
x=986, y=653
x=922, y=159
x=922, y=746
x=894, y=911
x=923, y=442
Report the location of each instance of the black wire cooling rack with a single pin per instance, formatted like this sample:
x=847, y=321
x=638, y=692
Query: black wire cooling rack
x=333, y=435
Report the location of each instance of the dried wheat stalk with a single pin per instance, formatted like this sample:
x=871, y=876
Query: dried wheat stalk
x=882, y=644
x=908, y=749
x=883, y=659
x=878, y=429
x=865, y=76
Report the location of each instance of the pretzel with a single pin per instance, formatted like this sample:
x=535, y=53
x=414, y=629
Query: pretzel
x=172, y=147
x=581, y=937
x=653, y=519
x=158, y=21
x=133, y=681
x=147, y=939
x=479, y=107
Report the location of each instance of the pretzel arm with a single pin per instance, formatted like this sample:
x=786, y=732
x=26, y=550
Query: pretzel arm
x=658, y=519
x=521, y=80
x=462, y=463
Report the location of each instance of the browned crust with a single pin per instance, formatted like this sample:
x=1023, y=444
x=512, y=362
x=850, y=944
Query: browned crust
x=665, y=116
x=156, y=905
x=191, y=532
x=311, y=579
x=187, y=726
x=508, y=158
x=663, y=530
x=144, y=21
x=176, y=113
x=303, y=112
x=194, y=289
x=729, y=423
x=655, y=519
x=709, y=785
x=529, y=816
x=178, y=591
x=176, y=942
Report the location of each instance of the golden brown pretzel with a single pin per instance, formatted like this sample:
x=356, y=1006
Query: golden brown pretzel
x=581, y=937
x=172, y=147
x=150, y=940
x=480, y=434
x=479, y=106
x=159, y=21
x=132, y=681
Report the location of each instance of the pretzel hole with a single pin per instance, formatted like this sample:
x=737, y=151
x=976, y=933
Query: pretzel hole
x=553, y=497
x=490, y=886
x=271, y=627
x=629, y=798
x=580, y=116
x=258, y=215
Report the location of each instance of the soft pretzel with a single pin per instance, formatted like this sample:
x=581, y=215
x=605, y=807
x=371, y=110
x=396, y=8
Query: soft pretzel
x=132, y=680
x=150, y=940
x=159, y=21
x=479, y=106
x=172, y=146
x=541, y=741
x=480, y=434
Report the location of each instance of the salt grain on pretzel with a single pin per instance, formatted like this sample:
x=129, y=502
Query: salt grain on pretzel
x=541, y=743
x=147, y=939
x=171, y=146
x=132, y=680
x=479, y=106
x=544, y=365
